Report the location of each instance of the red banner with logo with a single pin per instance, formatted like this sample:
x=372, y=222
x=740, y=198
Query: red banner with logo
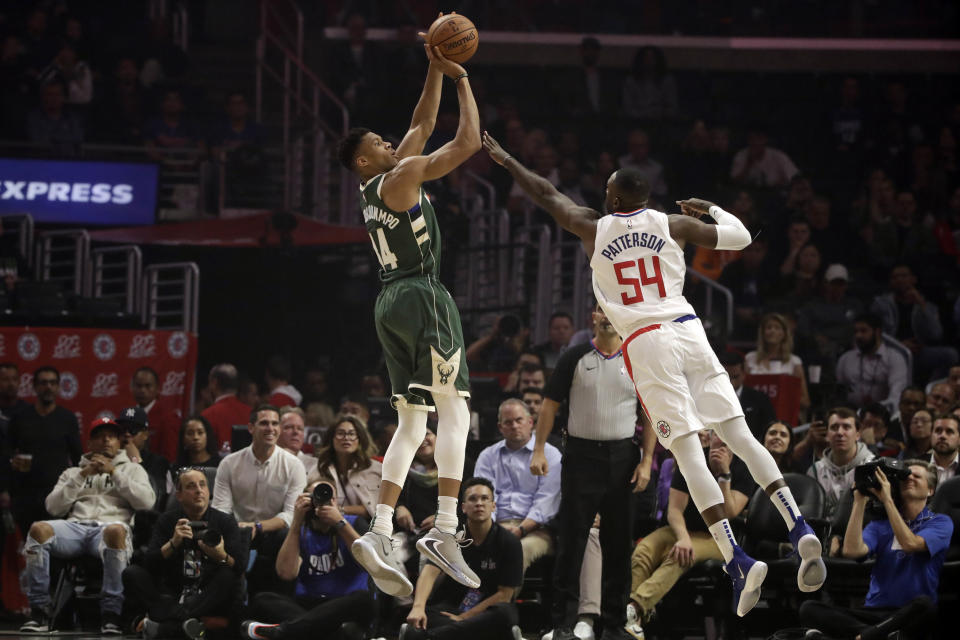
x=96, y=365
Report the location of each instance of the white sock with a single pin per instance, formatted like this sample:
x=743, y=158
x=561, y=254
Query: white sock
x=446, y=515
x=787, y=506
x=723, y=536
x=383, y=520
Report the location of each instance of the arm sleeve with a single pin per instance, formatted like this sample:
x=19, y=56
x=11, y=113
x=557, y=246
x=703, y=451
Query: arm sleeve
x=731, y=234
x=64, y=494
x=222, y=497
x=133, y=484
x=558, y=386
x=546, y=501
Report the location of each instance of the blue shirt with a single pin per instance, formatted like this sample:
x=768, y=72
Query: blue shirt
x=519, y=493
x=323, y=573
x=898, y=576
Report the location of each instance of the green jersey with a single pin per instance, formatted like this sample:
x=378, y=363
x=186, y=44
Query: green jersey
x=407, y=243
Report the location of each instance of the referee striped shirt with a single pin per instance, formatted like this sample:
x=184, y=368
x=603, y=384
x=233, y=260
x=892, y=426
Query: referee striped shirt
x=602, y=398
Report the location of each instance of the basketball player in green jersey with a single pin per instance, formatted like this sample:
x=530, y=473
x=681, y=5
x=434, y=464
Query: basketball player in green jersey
x=417, y=321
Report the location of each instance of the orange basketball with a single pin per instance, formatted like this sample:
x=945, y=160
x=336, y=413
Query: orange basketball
x=455, y=36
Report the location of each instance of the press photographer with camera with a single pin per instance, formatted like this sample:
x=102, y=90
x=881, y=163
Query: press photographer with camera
x=332, y=599
x=192, y=566
x=909, y=545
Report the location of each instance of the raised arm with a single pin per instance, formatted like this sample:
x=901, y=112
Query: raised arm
x=401, y=185
x=728, y=233
x=425, y=113
x=580, y=221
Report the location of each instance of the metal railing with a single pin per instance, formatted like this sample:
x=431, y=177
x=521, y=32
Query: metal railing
x=486, y=264
x=179, y=18
x=712, y=285
x=115, y=274
x=532, y=257
x=171, y=296
x=24, y=235
x=303, y=96
x=62, y=258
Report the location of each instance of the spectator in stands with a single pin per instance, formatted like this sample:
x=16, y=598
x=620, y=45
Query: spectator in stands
x=774, y=353
x=953, y=378
x=911, y=400
x=752, y=283
x=501, y=348
x=456, y=612
x=947, y=227
x=872, y=372
x=97, y=499
x=526, y=504
x=75, y=74
x=911, y=319
x=662, y=557
x=164, y=423
x=649, y=91
x=761, y=166
x=757, y=408
x=946, y=443
x=586, y=93
x=182, y=578
x=804, y=283
x=355, y=405
x=291, y=436
x=383, y=436
x=10, y=402
x=344, y=460
x=875, y=431
x=834, y=471
x=357, y=66
x=512, y=384
x=278, y=376
x=52, y=124
x=259, y=485
x=638, y=157
x=119, y=114
x=248, y=391
x=533, y=398
x=372, y=385
x=823, y=233
x=532, y=376
x=919, y=440
x=331, y=598
x=811, y=447
x=316, y=387
x=237, y=132
x=778, y=440
x=909, y=545
x=941, y=397
x=545, y=161
x=798, y=236
x=171, y=129
x=135, y=442
x=227, y=410
x=558, y=337
x=826, y=319
x=44, y=440
x=913, y=237
x=198, y=444
x=164, y=61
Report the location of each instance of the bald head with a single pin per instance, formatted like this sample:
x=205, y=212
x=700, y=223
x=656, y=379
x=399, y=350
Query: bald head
x=627, y=190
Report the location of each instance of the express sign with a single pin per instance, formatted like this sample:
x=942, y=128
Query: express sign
x=76, y=192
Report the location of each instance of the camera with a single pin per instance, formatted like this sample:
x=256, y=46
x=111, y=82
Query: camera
x=864, y=478
x=322, y=495
x=202, y=532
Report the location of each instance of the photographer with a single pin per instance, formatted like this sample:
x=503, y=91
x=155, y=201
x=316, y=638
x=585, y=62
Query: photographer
x=192, y=566
x=331, y=598
x=909, y=546
x=498, y=349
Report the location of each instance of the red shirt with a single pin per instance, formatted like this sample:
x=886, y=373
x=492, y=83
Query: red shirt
x=164, y=431
x=224, y=413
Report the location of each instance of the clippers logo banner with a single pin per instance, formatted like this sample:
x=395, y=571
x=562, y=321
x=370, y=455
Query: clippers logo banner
x=76, y=192
x=97, y=365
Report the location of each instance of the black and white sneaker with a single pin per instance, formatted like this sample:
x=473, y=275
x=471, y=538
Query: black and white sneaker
x=258, y=630
x=38, y=622
x=110, y=624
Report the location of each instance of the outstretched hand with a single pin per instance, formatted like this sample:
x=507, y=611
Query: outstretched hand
x=493, y=147
x=696, y=207
x=438, y=61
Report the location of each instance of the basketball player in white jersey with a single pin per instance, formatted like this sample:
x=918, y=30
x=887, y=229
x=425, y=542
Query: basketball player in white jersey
x=638, y=272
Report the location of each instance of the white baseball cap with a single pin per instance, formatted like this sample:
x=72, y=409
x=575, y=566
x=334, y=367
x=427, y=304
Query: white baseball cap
x=836, y=272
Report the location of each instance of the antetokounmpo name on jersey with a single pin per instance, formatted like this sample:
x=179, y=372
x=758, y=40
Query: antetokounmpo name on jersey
x=387, y=219
x=633, y=241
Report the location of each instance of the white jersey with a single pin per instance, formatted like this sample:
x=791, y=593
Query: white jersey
x=638, y=270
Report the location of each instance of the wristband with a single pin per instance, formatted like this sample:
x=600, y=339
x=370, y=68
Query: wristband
x=258, y=526
x=724, y=477
x=460, y=77
x=340, y=525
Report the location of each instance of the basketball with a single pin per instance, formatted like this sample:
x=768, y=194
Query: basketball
x=455, y=36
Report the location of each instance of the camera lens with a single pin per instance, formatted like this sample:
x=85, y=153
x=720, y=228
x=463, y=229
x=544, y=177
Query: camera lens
x=322, y=494
x=509, y=325
x=211, y=537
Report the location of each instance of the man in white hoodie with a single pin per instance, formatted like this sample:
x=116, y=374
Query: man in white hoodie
x=834, y=471
x=97, y=500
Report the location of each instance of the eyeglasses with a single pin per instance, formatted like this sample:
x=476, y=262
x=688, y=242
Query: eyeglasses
x=346, y=435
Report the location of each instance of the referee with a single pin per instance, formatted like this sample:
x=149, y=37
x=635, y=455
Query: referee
x=599, y=469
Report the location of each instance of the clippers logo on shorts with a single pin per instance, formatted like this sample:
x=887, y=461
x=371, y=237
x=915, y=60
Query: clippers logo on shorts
x=178, y=344
x=68, y=346
x=26, y=389
x=173, y=384
x=663, y=429
x=28, y=346
x=143, y=345
x=104, y=347
x=104, y=385
x=69, y=386
x=444, y=370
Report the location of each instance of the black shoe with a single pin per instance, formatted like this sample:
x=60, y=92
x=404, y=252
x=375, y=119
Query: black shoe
x=617, y=633
x=110, y=624
x=259, y=631
x=193, y=628
x=38, y=622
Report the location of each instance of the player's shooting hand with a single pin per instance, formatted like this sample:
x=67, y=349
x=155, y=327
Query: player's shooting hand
x=493, y=147
x=538, y=464
x=438, y=61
